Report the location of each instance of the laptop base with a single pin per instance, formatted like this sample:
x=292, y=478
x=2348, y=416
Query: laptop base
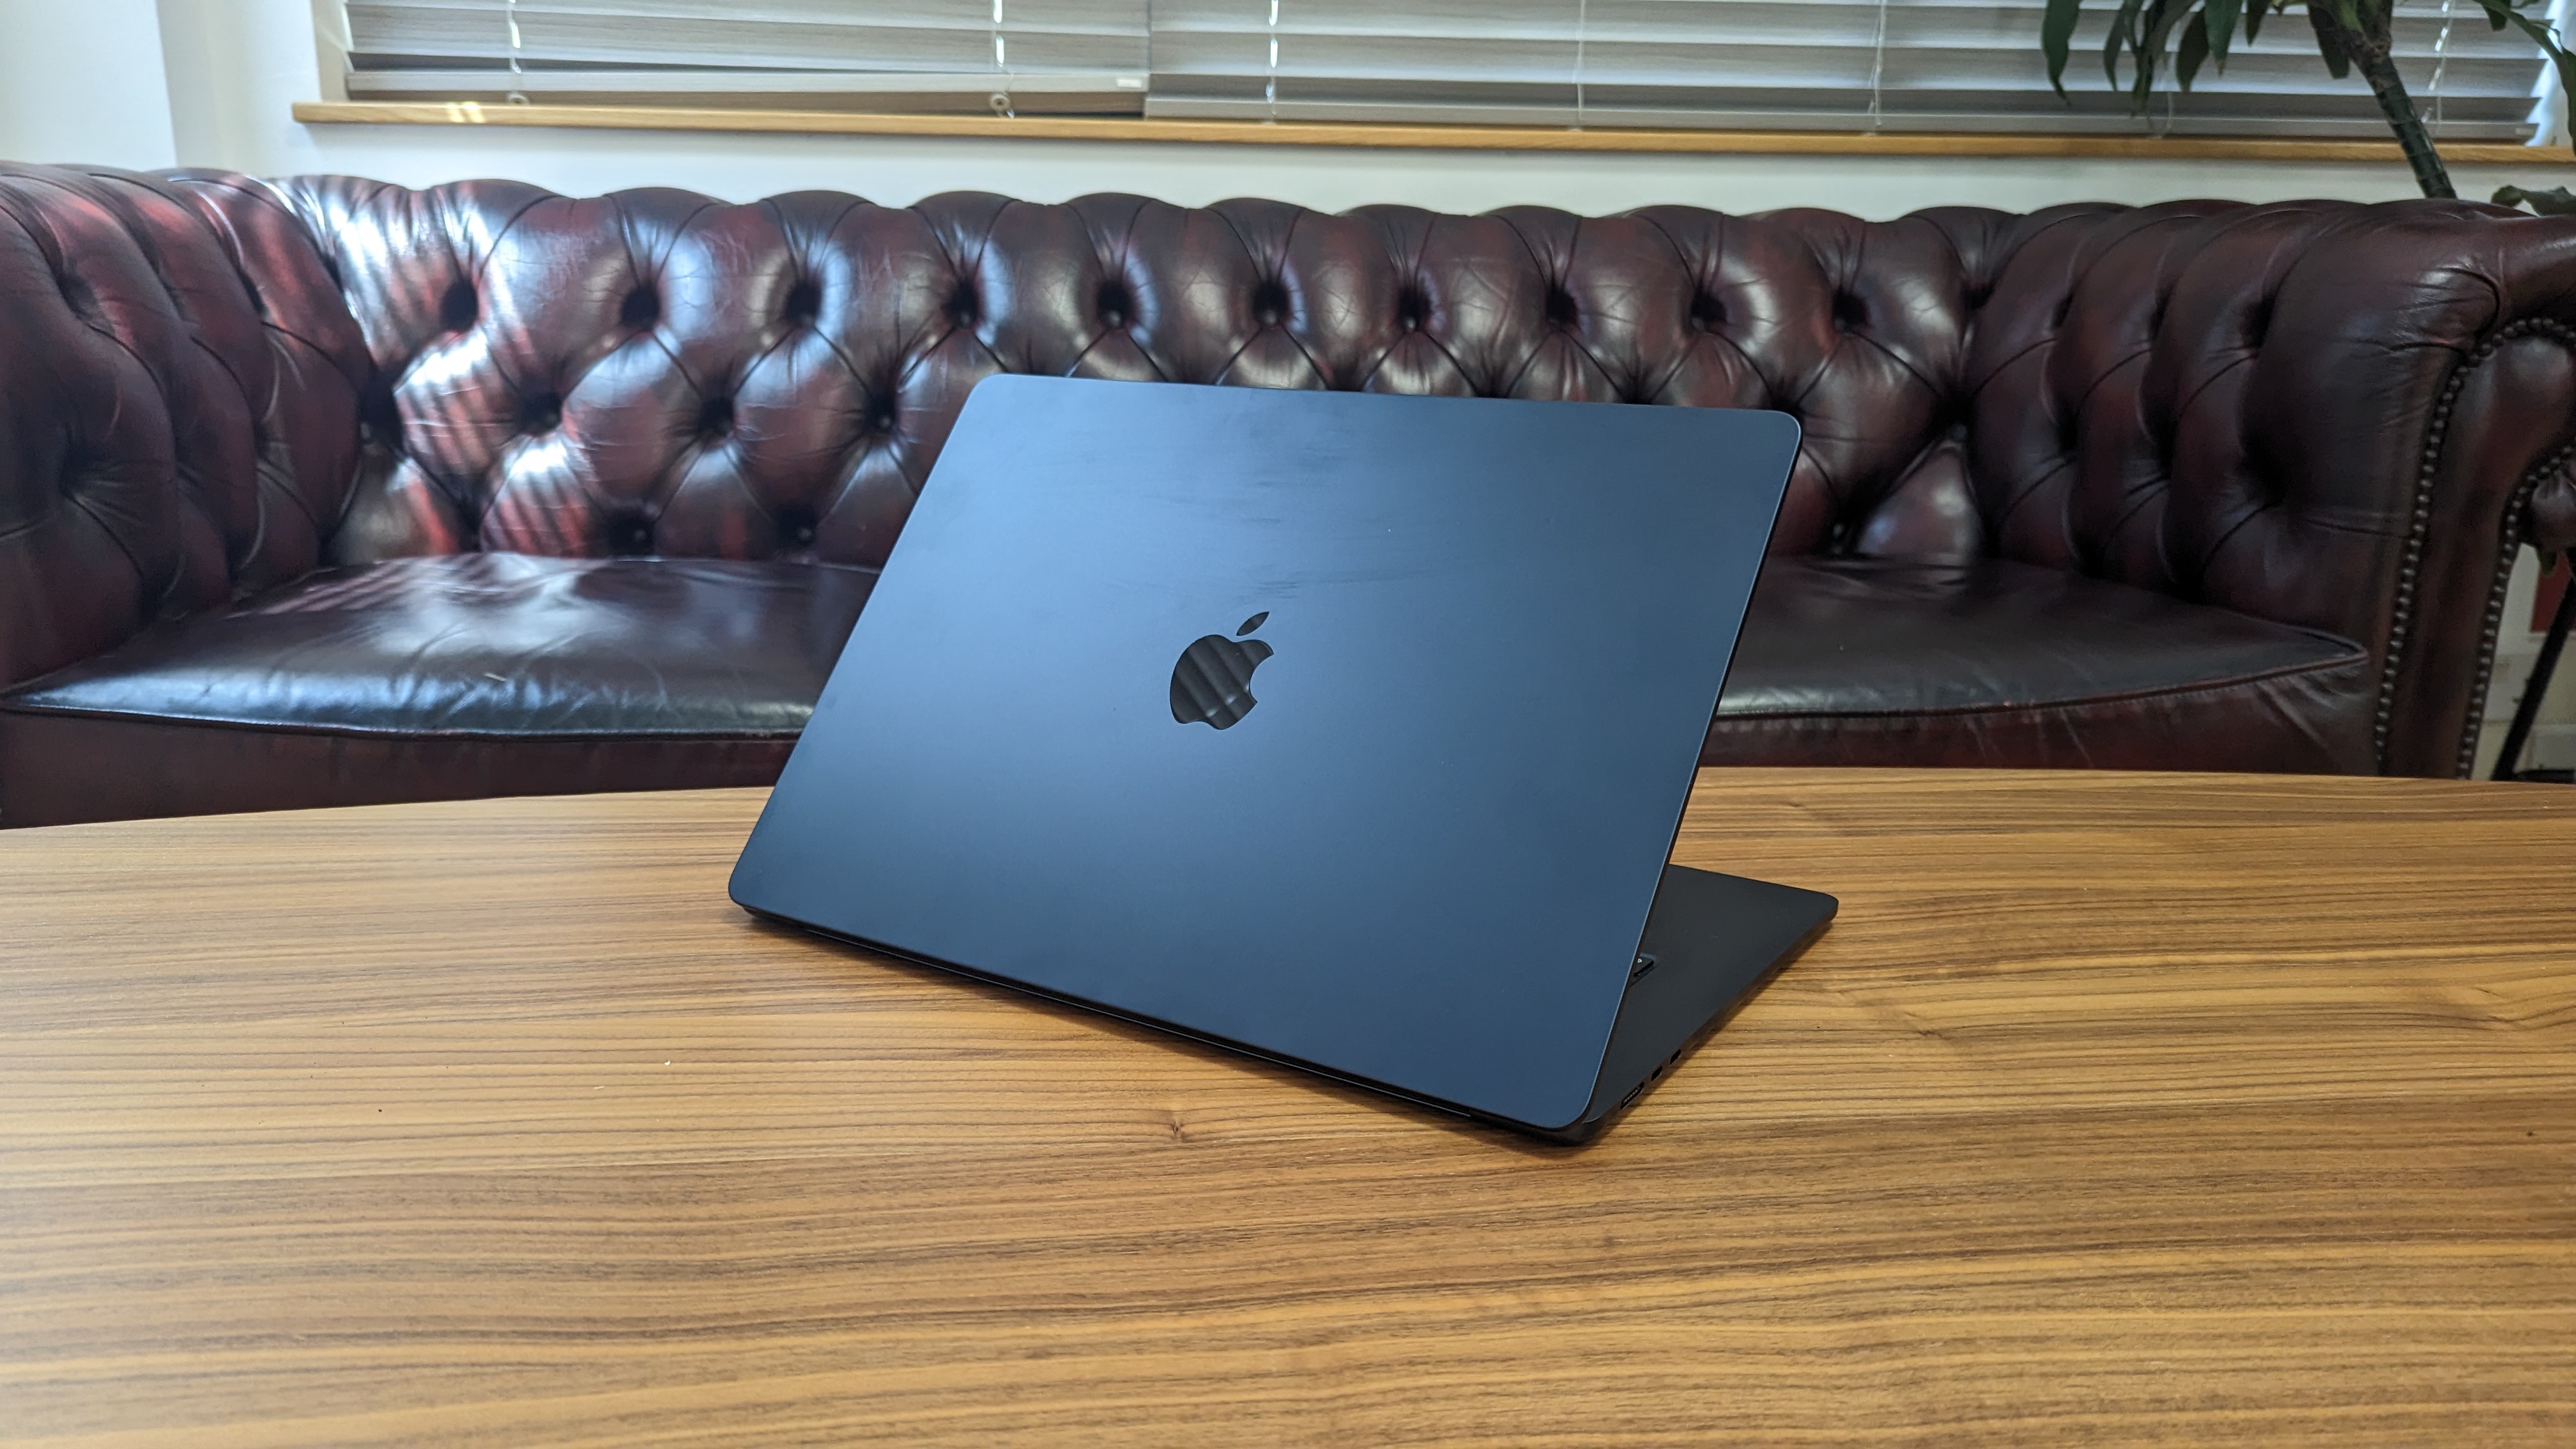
x=1710, y=941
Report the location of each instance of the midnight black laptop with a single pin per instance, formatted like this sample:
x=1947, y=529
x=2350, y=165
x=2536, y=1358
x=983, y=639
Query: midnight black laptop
x=1345, y=729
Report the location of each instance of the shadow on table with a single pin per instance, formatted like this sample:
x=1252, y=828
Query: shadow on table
x=1287, y=1075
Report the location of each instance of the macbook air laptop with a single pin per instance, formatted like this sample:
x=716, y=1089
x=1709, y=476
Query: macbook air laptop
x=1348, y=730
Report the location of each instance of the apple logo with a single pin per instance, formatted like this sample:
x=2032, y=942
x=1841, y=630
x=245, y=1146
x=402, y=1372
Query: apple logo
x=1212, y=685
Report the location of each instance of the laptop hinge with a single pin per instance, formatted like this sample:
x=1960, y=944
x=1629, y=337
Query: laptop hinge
x=1710, y=942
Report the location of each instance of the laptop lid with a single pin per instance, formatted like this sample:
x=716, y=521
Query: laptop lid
x=1349, y=729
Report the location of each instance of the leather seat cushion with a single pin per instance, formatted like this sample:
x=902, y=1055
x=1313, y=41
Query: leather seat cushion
x=438, y=678
x=495, y=674
x=1870, y=662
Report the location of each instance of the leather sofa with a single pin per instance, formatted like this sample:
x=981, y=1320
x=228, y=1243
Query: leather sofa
x=324, y=491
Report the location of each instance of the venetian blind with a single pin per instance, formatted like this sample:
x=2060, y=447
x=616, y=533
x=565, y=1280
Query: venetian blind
x=1923, y=65
x=1038, y=56
x=1926, y=65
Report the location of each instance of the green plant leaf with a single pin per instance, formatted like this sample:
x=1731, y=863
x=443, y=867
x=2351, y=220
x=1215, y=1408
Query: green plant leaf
x=2193, y=50
x=2159, y=17
x=2122, y=20
x=2556, y=201
x=2218, y=26
x=2254, y=19
x=2056, y=28
x=2501, y=13
x=2330, y=44
x=2544, y=36
x=2333, y=20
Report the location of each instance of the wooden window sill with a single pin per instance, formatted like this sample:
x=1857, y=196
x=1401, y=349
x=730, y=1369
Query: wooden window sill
x=1452, y=138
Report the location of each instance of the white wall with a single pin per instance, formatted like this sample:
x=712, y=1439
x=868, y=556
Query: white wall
x=81, y=80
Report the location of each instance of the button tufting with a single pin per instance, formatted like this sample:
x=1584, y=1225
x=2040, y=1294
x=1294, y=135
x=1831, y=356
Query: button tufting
x=1114, y=303
x=630, y=536
x=715, y=417
x=641, y=309
x=2258, y=320
x=540, y=412
x=76, y=294
x=379, y=419
x=803, y=304
x=458, y=306
x=1269, y=303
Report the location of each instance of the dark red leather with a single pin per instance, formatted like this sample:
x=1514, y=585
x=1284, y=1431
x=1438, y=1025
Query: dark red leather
x=435, y=678
x=165, y=440
x=2241, y=406
x=478, y=674
x=2332, y=418
x=1985, y=662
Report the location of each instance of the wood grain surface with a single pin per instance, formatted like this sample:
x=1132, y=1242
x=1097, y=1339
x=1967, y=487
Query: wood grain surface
x=1379, y=134
x=2114, y=1108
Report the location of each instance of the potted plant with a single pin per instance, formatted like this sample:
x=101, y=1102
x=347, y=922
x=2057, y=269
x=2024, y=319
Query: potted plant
x=2351, y=35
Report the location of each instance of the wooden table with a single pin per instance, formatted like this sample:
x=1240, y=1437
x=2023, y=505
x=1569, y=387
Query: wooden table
x=2114, y=1108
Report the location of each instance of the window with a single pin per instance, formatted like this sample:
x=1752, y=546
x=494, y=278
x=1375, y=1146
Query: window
x=1816, y=65
x=1077, y=57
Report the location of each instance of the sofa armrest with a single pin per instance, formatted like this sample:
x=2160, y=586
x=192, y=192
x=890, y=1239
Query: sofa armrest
x=2438, y=408
x=164, y=444
x=92, y=538
x=2340, y=417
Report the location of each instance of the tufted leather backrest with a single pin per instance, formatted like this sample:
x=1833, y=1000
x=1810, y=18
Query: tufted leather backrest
x=2269, y=408
x=658, y=372
x=165, y=442
x=655, y=371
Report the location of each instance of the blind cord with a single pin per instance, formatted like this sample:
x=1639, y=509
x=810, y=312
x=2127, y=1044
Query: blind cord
x=1001, y=99
x=1877, y=65
x=2441, y=62
x=518, y=73
x=1582, y=33
x=1270, y=87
